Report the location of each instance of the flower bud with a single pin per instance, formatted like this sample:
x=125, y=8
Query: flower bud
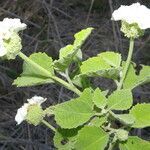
x=122, y=135
x=13, y=46
x=31, y=111
x=10, y=41
x=131, y=30
x=34, y=115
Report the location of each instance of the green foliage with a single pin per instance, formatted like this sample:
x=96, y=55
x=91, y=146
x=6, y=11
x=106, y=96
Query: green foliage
x=91, y=138
x=134, y=143
x=88, y=122
x=75, y=112
x=111, y=58
x=72, y=52
x=65, y=139
x=132, y=80
x=81, y=36
x=102, y=65
x=126, y=119
x=141, y=114
x=99, y=99
x=98, y=121
x=120, y=100
x=31, y=75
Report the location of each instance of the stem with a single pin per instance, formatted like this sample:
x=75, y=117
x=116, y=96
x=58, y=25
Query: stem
x=127, y=63
x=47, y=73
x=48, y=125
x=68, y=78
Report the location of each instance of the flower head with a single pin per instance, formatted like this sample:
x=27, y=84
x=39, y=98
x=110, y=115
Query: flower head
x=33, y=103
x=134, y=13
x=10, y=42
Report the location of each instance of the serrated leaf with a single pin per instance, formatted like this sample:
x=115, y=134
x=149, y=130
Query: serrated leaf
x=126, y=119
x=111, y=58
x=141, y=114
x=65, y=139
x=98, y=121
x=134, y=143
x=120, y=100
x=31, y=75
x=101, y=66
x=91, y=138
x=99, y=99
x=75, y=112
x=132, y=80
x=71, y=52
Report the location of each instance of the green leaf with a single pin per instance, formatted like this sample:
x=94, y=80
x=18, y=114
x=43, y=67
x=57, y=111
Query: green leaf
x=91, y=138
x=134, y=143
x=81, y=81
x=66, y=56
x=70, y=53
x=99, y=99
x=111, y=58
x=141, y=114
x=98, y=121
x=65, y=139
x=81, y=36
x=30, y=81
x=132, y=80
x=31, y=75
x=120, y=100
x=101, y=66
x=126, y=119
x=75, y=112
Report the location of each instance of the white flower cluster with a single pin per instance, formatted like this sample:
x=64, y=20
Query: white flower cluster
x=7, y=29
x=134, y=13
x=22, y=112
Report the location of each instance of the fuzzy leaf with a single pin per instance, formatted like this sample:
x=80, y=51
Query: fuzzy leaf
x=66, y=56
x=98, y=121
x=30, y=81
x=31, y=75
x=126, y=119
x=132, y=80
x=75, y=112
x=99, y=99
x=65, y=139
x=81, y=36
x=141, y=114
x=102, y=65
x=120, y=100
x=111, y=58
x=91, y=138
x=71, y=52
x=134, y=143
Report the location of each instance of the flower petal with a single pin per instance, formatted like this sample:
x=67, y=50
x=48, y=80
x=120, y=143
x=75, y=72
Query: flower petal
x=134, y=13
x=21, y=113
x=36, y=100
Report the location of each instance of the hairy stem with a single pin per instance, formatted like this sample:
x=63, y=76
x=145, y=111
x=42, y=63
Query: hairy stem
x=47, y=73
x=127, y=63
x=49, y=125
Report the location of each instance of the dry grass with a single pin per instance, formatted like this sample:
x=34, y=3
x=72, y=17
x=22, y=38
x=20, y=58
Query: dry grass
x=51, y=25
